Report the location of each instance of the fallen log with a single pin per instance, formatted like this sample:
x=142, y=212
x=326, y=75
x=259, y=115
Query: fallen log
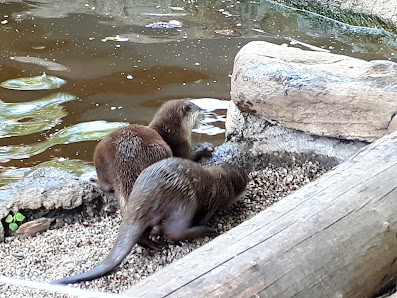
x=335, y=237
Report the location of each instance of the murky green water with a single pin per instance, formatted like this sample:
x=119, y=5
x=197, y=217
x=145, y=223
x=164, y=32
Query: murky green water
x=112, y=68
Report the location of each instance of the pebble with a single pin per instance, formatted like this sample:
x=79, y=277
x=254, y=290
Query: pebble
x=74, y=248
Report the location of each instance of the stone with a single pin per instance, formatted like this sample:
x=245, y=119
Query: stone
x=260, y=143
x=318, y=93
x=31, y=228
x=44, y=190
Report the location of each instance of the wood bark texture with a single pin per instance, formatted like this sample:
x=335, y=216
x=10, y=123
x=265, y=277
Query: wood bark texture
x=335, y=237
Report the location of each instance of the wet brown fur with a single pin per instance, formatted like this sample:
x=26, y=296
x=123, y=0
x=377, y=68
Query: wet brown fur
x=176, y=195
x=122, y=155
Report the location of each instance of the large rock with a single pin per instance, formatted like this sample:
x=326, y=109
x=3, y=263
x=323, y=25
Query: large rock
x=316, y=92
x=45, y=190
x=257, y=143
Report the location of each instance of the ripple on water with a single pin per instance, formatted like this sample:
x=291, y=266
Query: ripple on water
x=24, y=118
x=34, y=83
x=84, y=170
x=211, y=106
x=86, y=131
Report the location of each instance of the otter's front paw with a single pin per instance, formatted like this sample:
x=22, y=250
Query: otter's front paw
x=203, y=150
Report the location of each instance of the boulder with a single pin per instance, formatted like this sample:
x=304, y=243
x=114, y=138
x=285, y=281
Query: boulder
x=44, y=190
x=253, y=142
x=318, y=93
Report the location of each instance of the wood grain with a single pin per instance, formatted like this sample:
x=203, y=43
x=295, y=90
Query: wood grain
x=335, y=237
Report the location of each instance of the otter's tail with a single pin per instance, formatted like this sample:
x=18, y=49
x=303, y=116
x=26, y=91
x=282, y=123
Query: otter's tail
x=127, y=237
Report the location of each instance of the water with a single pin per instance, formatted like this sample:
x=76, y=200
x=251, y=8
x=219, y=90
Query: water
x=118, y=68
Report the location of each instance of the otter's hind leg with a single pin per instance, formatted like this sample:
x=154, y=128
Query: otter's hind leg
x=191, y=233
x=178, y=227
x=147, y=243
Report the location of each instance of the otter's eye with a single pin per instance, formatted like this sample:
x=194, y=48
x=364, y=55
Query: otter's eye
x=187, y=108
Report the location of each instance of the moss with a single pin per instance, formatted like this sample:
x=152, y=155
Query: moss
x=345, y=16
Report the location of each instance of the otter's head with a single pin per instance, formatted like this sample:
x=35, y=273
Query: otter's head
x=196, y=115
x=178, y=114
x=239, y=180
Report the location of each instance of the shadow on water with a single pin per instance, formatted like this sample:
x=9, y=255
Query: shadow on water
x=116, y=69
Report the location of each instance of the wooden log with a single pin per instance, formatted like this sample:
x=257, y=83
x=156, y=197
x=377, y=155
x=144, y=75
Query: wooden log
x=335, y=237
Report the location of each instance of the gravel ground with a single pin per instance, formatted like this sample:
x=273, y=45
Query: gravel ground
x=77, y=247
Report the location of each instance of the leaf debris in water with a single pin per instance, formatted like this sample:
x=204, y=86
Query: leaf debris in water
x=225, y=32
x=165, y=25
x=177, y=8
x=114, y=38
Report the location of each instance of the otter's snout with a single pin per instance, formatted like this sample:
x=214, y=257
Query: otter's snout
x=198, y=116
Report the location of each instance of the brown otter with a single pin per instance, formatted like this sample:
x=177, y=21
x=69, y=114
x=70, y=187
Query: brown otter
x=176, y=195
x=122, y=155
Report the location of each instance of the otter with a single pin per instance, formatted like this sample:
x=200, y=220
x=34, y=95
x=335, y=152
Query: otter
x=122, y=155
x=178, y=196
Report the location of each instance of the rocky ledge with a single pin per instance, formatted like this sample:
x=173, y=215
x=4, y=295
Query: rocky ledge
x=49, y=191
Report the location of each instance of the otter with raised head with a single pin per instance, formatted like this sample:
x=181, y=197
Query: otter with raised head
x=122, y=155
x=175, y=195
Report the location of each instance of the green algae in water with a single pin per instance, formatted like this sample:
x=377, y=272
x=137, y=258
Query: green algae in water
x=346, y=16
x=24, y=118
x=34, y=83
x=86, y=131
x=78, y=167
